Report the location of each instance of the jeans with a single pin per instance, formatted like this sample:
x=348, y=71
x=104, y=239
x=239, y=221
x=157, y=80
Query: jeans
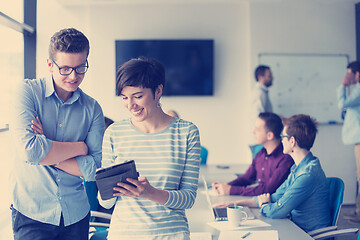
x=25, y=228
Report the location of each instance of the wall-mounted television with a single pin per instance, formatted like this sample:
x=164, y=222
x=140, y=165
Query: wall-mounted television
x=189, y=63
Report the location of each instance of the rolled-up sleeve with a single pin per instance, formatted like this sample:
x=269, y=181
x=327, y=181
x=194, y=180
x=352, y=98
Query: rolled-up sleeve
x=353, y=100
x=33, y=146
x=89, y=163
x=290, y=198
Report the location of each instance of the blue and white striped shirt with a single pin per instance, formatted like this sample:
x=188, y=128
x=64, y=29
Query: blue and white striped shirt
x=170, y=160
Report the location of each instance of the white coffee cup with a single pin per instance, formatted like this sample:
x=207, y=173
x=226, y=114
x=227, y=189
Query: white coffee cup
x=236, y=215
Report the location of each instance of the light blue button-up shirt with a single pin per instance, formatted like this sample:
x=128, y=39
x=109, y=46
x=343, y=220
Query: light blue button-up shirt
x=351, y=127
x=304, y=196
x=40, y=192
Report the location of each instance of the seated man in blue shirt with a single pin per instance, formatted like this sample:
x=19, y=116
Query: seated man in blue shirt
x=304, y=196
x=57, y=134
x=269, y=168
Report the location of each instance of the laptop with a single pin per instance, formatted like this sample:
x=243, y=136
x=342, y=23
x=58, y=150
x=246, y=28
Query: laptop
x=220, y=214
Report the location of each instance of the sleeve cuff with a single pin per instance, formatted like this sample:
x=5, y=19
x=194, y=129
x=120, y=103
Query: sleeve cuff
x=256, y=200
x=87, y=167
x=107, y=203
x=168, y=203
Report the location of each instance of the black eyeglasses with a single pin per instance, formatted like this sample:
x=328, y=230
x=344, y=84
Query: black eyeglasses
x=283, y=136
x=68, y=70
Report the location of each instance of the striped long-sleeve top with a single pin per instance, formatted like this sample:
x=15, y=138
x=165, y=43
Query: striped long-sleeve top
x=170, y=160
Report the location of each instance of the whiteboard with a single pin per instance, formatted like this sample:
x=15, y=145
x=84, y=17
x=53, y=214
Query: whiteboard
x=306, y=83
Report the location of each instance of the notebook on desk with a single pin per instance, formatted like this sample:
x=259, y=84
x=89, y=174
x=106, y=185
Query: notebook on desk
x=220, y=214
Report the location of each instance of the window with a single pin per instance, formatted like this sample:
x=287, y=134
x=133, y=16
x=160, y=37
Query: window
x=11, y=68
x=12, y=53
x=14, y=36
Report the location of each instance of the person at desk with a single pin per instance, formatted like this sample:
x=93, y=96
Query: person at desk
x=166, y=151
x=304, y=196
x=351, y=127
x=269, y=168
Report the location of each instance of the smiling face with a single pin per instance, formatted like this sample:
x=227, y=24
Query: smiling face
x=141, y=102
x=65, y=85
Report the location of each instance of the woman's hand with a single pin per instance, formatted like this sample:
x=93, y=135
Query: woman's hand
x=142, y=189
x=37, y=127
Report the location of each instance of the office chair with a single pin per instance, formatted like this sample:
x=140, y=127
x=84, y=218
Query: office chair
x=336, y=189
x=99, y=236
x=91, y=191
x=203, y=155
x=337, y=233
x=101, y=229
x=255, y=149
x=98, y=230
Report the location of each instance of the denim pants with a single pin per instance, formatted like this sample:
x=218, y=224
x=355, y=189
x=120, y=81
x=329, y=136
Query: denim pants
x=25, y=228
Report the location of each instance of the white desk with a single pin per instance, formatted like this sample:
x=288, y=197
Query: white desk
x=200, y=214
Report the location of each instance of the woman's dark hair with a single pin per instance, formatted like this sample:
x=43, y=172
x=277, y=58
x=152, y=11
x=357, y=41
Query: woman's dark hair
x=140, y=72
x=303, y=128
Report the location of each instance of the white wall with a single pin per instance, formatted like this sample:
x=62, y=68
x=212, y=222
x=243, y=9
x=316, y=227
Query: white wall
x=241, y=31
x=218, y=117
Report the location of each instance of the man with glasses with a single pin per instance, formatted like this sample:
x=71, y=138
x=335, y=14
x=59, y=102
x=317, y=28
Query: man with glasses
x=270, y=166
x=58, y=132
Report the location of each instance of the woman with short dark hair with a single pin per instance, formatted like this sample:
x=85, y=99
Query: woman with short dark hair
x=166, y=151
x=304, y=196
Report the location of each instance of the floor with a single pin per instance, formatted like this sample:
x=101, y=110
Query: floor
x=342, y=223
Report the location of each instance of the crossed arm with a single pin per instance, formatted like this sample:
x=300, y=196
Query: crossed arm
x=62, y=154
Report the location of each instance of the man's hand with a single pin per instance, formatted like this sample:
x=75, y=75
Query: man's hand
x=85, y=148
x=349, y=78
x=223, y=204
x=263, y=198
x=221, y=188
x=37, y=127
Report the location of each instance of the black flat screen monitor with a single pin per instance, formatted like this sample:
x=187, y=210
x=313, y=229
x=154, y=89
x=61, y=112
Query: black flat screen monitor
x=189, y=64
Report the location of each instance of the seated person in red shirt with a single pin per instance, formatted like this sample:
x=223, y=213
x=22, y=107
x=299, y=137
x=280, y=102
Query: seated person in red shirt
x=269, y=168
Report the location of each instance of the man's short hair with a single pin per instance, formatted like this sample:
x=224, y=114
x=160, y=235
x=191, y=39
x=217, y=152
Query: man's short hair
x=303, y=128
x=68, y=40
x=354, y=66
x=140, y=72
x=260, y=70
x=273, y=123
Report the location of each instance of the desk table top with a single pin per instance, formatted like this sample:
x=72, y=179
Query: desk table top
x=200, y=214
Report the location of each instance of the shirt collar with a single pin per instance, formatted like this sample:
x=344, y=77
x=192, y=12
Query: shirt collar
x=50, y=90
x=262, y=87
x=306, y=160
x=278, y=150
x=49, y=86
